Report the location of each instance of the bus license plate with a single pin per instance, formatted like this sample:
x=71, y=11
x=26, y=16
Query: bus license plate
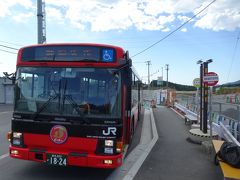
x=57, y=159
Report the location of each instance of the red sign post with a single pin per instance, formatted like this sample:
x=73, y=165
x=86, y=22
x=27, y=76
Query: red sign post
x=211, y=78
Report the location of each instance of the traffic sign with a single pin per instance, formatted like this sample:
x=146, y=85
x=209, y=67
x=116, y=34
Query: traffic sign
x=196, y=82
x=211, y=78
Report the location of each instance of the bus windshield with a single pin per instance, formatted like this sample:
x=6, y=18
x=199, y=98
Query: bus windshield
x=68, y=91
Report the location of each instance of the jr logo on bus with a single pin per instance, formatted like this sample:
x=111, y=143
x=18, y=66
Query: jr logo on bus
x=110, y=130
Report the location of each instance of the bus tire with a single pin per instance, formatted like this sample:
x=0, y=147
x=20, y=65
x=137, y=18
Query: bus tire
x=131, y=131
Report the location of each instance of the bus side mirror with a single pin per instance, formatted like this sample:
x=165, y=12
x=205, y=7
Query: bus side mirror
x=126, y=55
x=11, y=76
x=130, y=62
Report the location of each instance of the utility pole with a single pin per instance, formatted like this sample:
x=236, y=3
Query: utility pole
x=162, y=73
x=167, y=68
x=148, y=64
x=41, y=21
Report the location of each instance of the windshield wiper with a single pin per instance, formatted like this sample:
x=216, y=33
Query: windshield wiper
x=76, y=107
x=44, y=106
x=57, y=95
x=61, y=102
x=73, y=103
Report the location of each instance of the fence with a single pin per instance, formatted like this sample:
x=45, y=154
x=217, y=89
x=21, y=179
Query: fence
x=225, y=116
x=218, y=106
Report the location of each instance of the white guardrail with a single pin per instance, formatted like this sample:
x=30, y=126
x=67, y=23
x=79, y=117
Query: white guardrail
x=227, y=128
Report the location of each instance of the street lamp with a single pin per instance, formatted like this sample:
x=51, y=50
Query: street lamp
x=199, y=61
x=209, y=61
x=203, y=94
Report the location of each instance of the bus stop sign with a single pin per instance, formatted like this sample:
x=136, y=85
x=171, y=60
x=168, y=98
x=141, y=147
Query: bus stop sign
x=211, y=78
x=196, y=82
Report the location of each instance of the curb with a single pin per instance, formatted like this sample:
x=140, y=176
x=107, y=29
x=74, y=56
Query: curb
x=139, y=154
x=133, y=171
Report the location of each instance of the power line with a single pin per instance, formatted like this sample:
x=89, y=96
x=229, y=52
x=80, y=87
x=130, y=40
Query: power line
x=8, y=47
x=150, y=75
x=6, y=42
x=8, y=51
x=138, y=62
x=12, y=48
x=233, y=56
x=154, y=73
x=165, y=37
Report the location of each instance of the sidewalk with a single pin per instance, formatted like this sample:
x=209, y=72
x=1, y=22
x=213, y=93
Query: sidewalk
x=174, y=158
x=136, y=158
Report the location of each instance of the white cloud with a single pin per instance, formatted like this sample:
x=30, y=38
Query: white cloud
x=223, y=15
x=183, y=19
x=166, y=19
x=166, y=30
x=6, y=5
x=23, y=17
x=155, y=7
x=25, y=3
x=120, y=15
x=54, y=14
x=184, y=29
x=105, y=15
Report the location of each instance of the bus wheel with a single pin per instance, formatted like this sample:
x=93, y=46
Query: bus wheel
x=131, y=131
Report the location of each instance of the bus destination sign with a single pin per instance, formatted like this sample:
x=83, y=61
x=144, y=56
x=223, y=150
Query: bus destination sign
x=68, y=53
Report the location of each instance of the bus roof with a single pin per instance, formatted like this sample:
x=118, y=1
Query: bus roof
x=73, y=44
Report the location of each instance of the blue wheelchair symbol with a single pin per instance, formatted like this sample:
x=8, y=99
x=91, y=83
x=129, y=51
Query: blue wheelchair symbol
x=107, y=55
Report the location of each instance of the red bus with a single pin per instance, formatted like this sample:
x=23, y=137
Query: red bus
x=74, y=105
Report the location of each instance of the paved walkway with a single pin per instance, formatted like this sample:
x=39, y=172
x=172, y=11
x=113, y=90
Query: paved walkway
x=174, y=158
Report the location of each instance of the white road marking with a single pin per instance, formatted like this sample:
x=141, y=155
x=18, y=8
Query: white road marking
x=5, y=112
x=4, y=156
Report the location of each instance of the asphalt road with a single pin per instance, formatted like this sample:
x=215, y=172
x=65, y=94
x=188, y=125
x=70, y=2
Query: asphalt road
x=26, y=170
x=5, y=124
x=174, y=158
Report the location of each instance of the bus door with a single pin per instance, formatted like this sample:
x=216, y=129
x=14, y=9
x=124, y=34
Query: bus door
x=126, y=99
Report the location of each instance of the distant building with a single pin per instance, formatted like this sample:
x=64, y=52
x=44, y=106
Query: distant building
x=6, y=91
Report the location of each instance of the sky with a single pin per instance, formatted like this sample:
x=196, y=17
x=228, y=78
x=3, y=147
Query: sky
x=134, y=25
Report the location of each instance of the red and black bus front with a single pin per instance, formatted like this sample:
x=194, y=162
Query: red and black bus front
x=68, y=115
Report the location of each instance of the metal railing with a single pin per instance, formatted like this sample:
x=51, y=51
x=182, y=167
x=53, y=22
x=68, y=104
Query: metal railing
x=227, y=109
x=222, y=114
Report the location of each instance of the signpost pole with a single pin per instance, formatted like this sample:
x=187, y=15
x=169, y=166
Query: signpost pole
x=205, y=99
x=210, y=111
x=201, y=96
x=210, y=79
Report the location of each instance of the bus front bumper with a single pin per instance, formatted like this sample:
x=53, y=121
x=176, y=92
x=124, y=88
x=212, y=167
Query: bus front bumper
x=54, y=157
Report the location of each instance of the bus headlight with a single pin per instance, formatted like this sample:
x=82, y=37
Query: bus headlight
x=17, y=139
